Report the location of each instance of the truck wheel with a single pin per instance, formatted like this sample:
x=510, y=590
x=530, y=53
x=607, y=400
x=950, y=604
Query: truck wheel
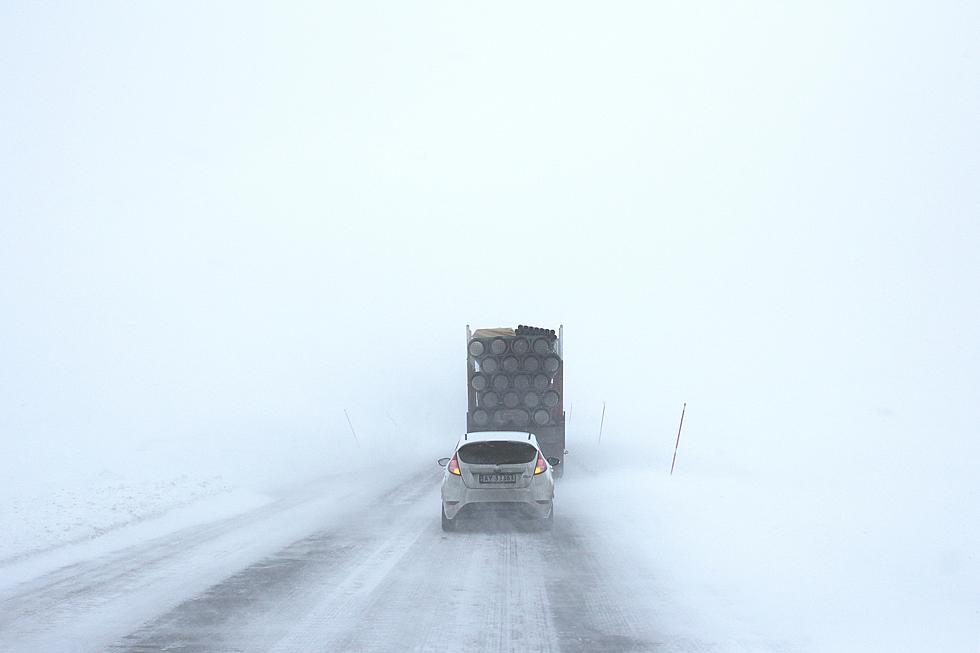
x=448, y=525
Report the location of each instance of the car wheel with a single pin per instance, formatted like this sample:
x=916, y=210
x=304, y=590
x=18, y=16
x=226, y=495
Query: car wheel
x=448, y=525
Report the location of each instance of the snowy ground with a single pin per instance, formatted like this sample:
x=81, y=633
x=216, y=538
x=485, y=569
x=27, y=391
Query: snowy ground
x=793, y=560
x=41, y=519
x=73, y=494
x=638, y=562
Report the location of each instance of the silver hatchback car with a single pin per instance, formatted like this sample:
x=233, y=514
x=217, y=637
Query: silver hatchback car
x=491, y=470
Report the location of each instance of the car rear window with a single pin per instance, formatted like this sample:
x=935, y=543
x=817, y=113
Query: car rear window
x=497, y=453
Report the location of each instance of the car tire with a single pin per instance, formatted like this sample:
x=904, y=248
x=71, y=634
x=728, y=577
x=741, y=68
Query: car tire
x=448, y=525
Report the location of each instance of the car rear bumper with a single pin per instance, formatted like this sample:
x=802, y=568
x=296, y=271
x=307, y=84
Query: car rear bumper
x=534, y=501
x=499, y=509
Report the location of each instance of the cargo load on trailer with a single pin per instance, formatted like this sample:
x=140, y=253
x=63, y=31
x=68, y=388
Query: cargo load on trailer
x=515, y=382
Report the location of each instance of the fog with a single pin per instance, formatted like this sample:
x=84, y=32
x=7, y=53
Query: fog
x=223, y=225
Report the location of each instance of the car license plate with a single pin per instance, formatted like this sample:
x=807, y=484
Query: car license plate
x=498, y=478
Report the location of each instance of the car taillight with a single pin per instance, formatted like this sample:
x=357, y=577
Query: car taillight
x=539, y=468
x=453, y=467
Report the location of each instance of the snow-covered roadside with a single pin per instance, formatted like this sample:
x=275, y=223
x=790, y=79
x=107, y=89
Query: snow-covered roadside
x=776, y=563
x=63, y=505
x=202, y=511
x=35, y=519
x=66, y=496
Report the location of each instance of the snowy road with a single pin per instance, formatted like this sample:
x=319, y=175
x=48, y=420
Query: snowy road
x=374, y=574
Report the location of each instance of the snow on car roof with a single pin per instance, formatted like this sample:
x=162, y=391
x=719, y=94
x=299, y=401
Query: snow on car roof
x=484, y=436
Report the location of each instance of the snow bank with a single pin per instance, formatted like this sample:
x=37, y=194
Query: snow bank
x=778, y=562
x=73, y=510
x=71, y=494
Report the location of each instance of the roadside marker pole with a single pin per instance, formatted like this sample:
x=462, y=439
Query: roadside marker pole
x=677, y=444
x=353, y=432
x=601, y=421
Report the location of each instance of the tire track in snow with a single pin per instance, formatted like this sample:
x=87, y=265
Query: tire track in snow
x=382, y=578
x=390, y=579
x=259, y=608
x=88, y=605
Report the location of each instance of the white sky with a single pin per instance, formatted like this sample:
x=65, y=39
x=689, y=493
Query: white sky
x=247, y=216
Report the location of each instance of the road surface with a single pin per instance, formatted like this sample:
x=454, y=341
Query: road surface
x=324, y=570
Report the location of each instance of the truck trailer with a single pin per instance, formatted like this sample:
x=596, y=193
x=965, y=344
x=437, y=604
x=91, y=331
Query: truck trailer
x=515, y=382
